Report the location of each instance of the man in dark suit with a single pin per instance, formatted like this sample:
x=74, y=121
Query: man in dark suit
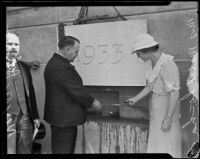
x=66, y=100
x=22, y=114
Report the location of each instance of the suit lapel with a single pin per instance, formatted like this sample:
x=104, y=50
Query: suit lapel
x=25, y=78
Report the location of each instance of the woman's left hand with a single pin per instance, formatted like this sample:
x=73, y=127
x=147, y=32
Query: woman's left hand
x=166, y=124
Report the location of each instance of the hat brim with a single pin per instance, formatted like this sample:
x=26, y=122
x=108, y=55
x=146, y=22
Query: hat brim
x=144, y=46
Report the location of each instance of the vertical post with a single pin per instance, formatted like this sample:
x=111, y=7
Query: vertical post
x=61, y=30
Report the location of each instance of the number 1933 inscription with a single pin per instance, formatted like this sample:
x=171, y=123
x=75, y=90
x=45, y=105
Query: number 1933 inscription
x=102, y=54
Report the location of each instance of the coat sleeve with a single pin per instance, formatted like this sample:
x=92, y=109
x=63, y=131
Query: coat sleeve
x=65, y=79
x=33, y=103
x=32, y=98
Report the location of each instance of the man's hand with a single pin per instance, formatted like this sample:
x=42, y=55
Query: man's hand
x=35, y=64
x=36, y=123
x=97, y=104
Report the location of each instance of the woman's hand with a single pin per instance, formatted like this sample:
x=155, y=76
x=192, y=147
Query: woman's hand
x=131, y=101
x=166, y=124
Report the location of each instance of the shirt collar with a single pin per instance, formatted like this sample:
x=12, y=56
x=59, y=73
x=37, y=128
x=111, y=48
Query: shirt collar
x=60, y=54
x=153, y=73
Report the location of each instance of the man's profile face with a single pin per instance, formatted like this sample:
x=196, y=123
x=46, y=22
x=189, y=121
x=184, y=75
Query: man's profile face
x=12, y=46
x=72, y=52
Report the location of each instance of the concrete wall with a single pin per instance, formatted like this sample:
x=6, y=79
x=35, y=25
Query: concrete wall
x=37, y=27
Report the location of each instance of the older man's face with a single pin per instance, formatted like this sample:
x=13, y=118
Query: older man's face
x=71, y=52
x=12, y=46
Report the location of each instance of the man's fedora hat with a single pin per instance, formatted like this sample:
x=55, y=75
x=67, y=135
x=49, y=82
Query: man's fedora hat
x=36, y=148
x=143, y=41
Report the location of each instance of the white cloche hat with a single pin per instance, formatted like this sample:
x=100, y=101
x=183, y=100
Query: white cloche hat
x=143, y=41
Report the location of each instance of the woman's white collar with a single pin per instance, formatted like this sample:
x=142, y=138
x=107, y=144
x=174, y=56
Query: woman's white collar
x=153, y=73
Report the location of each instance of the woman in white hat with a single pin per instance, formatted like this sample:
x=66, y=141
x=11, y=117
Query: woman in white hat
x=163, y=84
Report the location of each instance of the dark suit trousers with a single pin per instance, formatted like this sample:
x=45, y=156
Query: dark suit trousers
x=63, y=139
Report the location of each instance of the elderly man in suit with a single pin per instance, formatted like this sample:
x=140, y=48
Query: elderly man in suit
x=22, y=114
x=66, y=100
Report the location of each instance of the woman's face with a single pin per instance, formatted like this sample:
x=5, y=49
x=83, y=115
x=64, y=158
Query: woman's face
x=143, y=56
